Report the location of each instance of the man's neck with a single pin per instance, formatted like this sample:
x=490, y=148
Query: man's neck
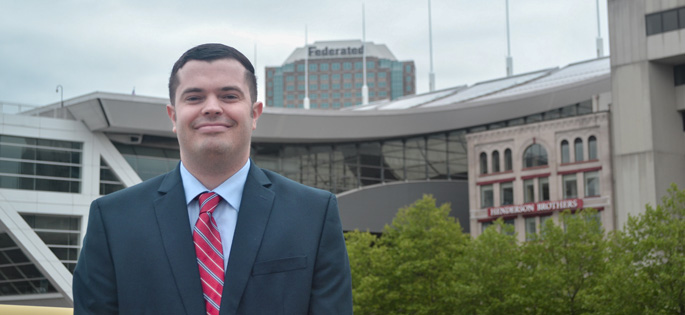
x=213, y=172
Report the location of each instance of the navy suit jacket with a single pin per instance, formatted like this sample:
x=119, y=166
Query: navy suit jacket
x=288, y=254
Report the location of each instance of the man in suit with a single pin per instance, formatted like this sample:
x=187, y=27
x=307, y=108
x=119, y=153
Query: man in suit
x=166, y=246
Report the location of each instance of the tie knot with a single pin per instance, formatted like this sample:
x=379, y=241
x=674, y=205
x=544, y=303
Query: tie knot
x=208, y=201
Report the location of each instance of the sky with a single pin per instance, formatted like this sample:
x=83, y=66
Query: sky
x=118, y=46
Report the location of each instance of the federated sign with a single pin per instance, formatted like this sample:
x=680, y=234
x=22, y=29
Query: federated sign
x=543, y=206
x=335, y=52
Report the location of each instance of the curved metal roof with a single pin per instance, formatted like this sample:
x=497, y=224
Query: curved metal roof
x=449, y=109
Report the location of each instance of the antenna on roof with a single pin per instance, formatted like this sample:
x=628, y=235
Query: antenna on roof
x=365, y=89
x=306, y=70
x=510, y=61
x=431, y=74
x=600, y=41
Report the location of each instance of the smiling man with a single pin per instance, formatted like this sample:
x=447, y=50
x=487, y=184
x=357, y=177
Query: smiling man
x=217, y=235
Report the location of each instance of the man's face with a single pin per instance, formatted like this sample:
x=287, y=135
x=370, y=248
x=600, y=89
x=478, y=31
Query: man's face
x=213, y=114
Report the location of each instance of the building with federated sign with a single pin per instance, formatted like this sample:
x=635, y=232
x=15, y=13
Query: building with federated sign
x=530, y=173
x=335, y=75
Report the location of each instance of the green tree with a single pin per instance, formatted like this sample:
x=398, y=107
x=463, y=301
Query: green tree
x=563, y=265
x=489, y=274
x=647, y=269
x=409, y=269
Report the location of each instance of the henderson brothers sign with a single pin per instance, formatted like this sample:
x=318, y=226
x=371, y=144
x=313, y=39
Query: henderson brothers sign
x=530, y=208
x=325, y=52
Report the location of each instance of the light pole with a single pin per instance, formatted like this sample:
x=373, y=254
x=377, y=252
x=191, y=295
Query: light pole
x=60, y=89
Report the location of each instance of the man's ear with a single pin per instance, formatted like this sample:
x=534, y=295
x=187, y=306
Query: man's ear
x=171, y=111
x=257, y=108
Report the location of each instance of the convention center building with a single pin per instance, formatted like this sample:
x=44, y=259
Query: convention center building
x=335, y=75
x=606, y=133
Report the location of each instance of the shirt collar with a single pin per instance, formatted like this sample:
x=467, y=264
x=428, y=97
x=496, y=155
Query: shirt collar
x=230, y=190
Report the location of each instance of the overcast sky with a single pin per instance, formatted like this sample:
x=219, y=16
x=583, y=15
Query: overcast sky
x=114, y=46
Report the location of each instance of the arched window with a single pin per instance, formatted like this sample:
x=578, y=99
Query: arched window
x=565, y=153
x=535, y=155
x=578, y=145
x=507, y=160
x=495, y=162
x=592, y=148
x=483, y=163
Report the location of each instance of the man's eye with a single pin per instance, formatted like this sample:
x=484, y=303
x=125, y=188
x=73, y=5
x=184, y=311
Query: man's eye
x=192, y=98
x=230, y=96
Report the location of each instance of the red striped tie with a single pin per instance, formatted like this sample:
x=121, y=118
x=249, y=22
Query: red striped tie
x=210, y=256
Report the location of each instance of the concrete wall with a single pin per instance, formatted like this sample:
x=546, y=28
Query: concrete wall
x=647, y=130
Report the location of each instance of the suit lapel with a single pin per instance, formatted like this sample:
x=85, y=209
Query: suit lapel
x=172, y=218
x=253, y=216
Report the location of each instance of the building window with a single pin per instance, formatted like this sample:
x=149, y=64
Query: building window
x=495, y=162
x=347, y=66
x=528, y=191
x=109, y=182
x=570, y=186
x=483, y=163
x=507, y=193
x=665, y=21
x=578, y=146
x=149, y=162
x=335, y=66
x=40, y=164
x=486, y=196
x=531, y=228
x=507, y=160
x=534, y=155
x=323, y=67
x=20, y=275
x=543, y=188
x=335, y=76
x=62, y=234
x=381, y=75
x=300, y=68
x=592, y=148
x=670, y=20
x=591, y=184
x=312, y=67
x=565, y=153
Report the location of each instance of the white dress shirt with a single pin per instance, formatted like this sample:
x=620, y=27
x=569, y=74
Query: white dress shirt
x=226, y=213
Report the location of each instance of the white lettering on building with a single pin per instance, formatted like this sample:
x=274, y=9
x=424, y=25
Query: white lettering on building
x=325, y=52
x=543, y=206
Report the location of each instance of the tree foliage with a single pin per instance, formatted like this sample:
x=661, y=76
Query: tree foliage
x=424, y=264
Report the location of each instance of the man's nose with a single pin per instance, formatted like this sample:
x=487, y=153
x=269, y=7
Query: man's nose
x=212, y=106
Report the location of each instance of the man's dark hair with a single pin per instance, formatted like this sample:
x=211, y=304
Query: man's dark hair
x=209, y=53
